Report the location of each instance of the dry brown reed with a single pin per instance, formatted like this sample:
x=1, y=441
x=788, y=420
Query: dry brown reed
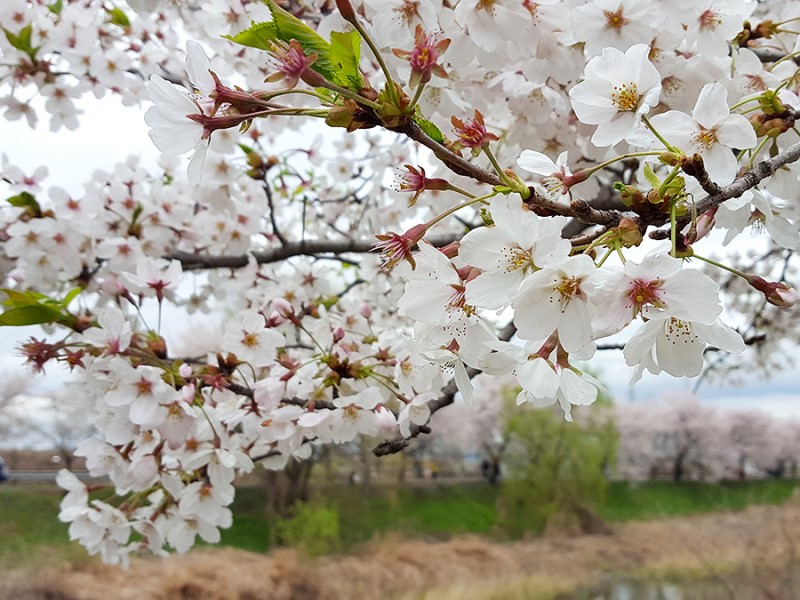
x=467, y=568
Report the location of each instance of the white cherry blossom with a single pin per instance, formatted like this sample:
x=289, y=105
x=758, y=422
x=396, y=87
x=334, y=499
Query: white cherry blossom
x=519, y=243
x=665, y=343
x=712, y=132
x=617, y=90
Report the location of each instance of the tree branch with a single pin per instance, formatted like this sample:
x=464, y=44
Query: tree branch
x=191, y=261
x=749, y=180
x=452, y=161
x=446, y=398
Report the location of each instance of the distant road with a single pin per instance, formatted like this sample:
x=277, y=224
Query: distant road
x=42, y=476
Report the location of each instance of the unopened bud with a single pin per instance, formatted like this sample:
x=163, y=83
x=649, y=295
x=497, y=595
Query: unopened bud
x=670, y=158
x=629, y=195
x=771, y=104
x=629, y=232
x=338, y=334
x=346, y=10
x=451, y=249
x=776, y=293
x=285, y=310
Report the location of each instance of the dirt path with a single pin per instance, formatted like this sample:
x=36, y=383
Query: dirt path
x=759, y=539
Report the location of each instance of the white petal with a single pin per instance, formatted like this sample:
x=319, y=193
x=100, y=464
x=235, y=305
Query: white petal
x=537, y=163
x=712, y=105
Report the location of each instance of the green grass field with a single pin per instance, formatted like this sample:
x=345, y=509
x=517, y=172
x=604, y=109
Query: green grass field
x=31, y=534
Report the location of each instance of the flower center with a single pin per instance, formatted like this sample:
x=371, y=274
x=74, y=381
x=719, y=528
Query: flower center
x=249, y=339
x=615, y=20
x=626, y=97
x=709, y=20
x=705, y=138
x=487, y=5
x=643, y=293
x=143, y=387
x=554, y=185
x=569, y=288
x=679, y=331
x=516, y=258
x=408, y=10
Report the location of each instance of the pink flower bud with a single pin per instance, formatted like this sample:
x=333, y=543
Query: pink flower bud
x=365, y=310
x=346, y=10
x=338, y=335
x=283, y=308
x=776, y=293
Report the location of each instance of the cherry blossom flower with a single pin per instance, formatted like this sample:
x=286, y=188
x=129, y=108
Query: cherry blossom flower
x=491, y=23
x=354, y=414
x=415, y=412
x=665, y=343
x=555, y=179
x=762, y=210
x=614, y=23
x=291, y=63
x=558, y=298
x=776, y=293
x=250, y=340
x=543, y=384
x=472, y=134
x=424, y=57
x=174, y=131
x=114, y=333
x=398, y=247
x=656, y=286
x=395, y=20
x=519, y=243
x=151, y=279
x=711, y=24
x=618, y=89
x=416, y=181
x=712, y=132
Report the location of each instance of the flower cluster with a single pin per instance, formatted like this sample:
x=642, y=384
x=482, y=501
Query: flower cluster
x=245, y=314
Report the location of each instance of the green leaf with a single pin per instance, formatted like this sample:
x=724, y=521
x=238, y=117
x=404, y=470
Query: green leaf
x=27, y=201
x=56, y=7
x=258, y=35
x=345, y=57
x=16, y=298
x=290, y=28
x=71, y=295
x=30, y=315
x=22, y=40
x=286, y=27
x=430, y=129
x=651, y=177
x=118, y=17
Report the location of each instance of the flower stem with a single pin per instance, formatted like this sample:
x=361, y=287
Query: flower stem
x=667, y=145
x=592, y=170
x=458, y=207
x=415, y=99
x=458, y=190
x=720, y=266
x=389, y=81
x=498, y=169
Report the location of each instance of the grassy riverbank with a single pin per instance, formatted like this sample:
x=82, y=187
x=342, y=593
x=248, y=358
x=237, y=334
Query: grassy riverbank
x=31, y=532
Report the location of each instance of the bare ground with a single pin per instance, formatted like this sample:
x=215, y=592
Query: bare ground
x=760, y=541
